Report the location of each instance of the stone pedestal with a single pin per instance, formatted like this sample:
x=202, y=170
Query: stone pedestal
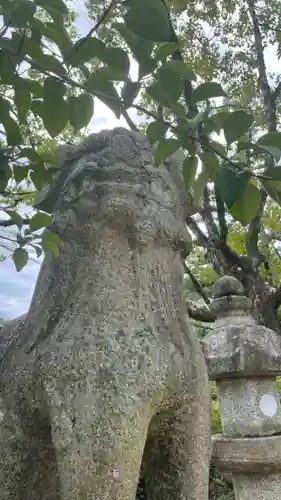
x=244, y=359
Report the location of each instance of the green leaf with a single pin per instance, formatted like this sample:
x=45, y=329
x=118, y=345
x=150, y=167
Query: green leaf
x=273, y=151
x=271, y=140
x=84, y=50
x=220, y=119
x=20, y=258
x=22, y=98
x=52, y=64
x=146, y=67
x=273, y=187
x=129, y=92
x=199, y=186
x=53, y=5
x=219, y=149
x=7, y=69
x=15, y=216
x=247, y=206
x=209, y=126
x=53, y=238
x=231, y=184
x=157, y=92
x=29, y=153
x=172, y=83
x=181, y=68
x=140, y=47
x=5, y=172
x=273, y=190
x=12, y=131
x=211, y=163
x=117, y=59
x=39, y=220
x=37, y=108
x=81, y=110
x=165, y=50
x=35, y=87
x=179, y=110
x=51, y=157
x=38, y=250
x=54, y=32
x=40, y=176
x=273, y=172
x=20, y=173
x=149, y=19
x=55, y=109
x=187, y=143
x=190, y=165
x=207, y=91
x=236, y=125
x=105, y=91
x=27, y=46
x=4, y=159
x=5, y=107
x=111, y=75
x=54, y=89
x=166, y=148
x=51, y=247
x=19, y=13
x=156, y=131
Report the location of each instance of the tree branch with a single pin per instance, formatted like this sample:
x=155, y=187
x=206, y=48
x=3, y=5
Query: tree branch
x=253, y=233
x=201, y=237
x=276, y=297
x=221, y=216
x=220, y=244
x=208, y=218
x=196, y=284
x=10, y=222
x=99, y=22
x=269, y=105
x=276, y=92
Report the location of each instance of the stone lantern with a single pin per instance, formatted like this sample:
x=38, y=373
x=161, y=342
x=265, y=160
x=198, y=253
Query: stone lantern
x=244, y=359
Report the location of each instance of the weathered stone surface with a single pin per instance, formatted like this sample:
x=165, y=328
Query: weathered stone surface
x=237, y=346
x=249, y=406
x=253, y=352
x=104, y=370
x=227, y=285
x=247, y=455
x=257, y=487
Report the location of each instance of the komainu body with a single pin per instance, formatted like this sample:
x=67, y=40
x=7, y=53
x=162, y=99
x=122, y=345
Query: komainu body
x=104, y=378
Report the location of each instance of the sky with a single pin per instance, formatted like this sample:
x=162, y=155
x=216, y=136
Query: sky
x=16, y=288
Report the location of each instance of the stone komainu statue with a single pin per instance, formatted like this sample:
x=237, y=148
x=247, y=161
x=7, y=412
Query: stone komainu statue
x=104, y=377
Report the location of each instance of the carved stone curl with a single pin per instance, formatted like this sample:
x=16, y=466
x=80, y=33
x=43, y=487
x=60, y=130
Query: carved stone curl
x=104, y=374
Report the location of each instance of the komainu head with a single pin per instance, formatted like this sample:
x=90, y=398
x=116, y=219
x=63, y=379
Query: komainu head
x=110, y=180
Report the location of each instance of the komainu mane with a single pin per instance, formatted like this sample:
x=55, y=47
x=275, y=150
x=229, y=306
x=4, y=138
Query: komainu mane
x=104, y=377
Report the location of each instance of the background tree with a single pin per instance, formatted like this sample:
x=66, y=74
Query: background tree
x=231, y=243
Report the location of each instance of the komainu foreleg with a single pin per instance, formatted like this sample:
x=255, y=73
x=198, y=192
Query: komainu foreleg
x=99, y=447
